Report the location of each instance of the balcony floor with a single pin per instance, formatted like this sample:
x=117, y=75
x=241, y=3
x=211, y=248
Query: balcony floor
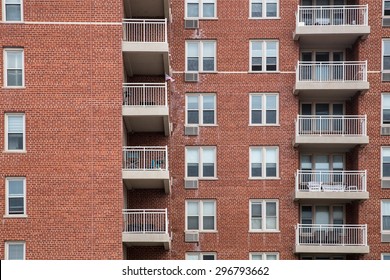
x=147, y=239
x=151, y=179
x=336, y=196
x=350, y=249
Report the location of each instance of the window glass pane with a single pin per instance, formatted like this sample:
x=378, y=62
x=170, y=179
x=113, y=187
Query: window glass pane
x=387, y=8
x=15, y=187
x=192, y=257
x=15, y=124
x=256, y=102
x=208, y=49
x=271, y=116
x=386, y=257
x=192, y=158
x=208, y=257
x=13, y=13
x=208, y=155
x=14, y=59
x=193, y=9
x=271, y=257
x=386, y=63
x=256, y=209
x=208, y=10
x=271, y=157
x=192, y=102
x=192, y=105
x=271, y=102
x=271, y=9
x=15, y=141
x=208, y=117
x=257, y=49
x=208, y=102
x=271, y=223
x=386, y=108
x=13, y=1
x=193, y=223
x=386, y=47
x=14, y=77
x=386, y=207
x=257, y=257
x=208, y=208
x=338, y=215
x=16, y=205
x=257, y=10
x=193, y=155
x=386, y=162
x=208, y=223
x=256, y=155
x=271, y=209
x=271, y=49
x=256, y=117
x=192, y=208
x=208, y=64
x=193, y=117
x=15, y=251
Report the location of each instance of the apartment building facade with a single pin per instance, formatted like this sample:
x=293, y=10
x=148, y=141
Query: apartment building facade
x=195, y=129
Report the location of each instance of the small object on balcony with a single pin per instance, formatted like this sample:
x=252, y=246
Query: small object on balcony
x=314, y=186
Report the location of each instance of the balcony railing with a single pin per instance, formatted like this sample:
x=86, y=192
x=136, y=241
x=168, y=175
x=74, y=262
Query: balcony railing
x=331, y=235
x=145, y=158
x=331, y=125
x=145, y=30
x=145, y=95
x=333, y=15
x=332, y=71
x=145, y=221
x=331, y=181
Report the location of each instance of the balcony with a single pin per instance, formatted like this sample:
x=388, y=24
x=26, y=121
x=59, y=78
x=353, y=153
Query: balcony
x=331, y=79
x=145, y=47
x=334, y=185
x=146, y=168
x=146, y=228
x=338, y=131
x=335, y=239
x=331, y=26
x=145, y=108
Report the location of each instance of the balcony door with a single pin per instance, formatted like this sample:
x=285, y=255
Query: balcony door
x=322, y=215
x=322, y=168
x=322, y=66
x=326, y=125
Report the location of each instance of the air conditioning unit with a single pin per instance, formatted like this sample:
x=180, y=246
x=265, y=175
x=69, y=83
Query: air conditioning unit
x=191, y=130
x=191, y=24
x=191, y=77
x=191, y=236
x=386, y=22
x=385, y=184
x=191, y=184
x=385, y=130
x=385, y=77
x=385, y=237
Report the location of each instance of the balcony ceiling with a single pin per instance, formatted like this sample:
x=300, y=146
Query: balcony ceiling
x=146, y=8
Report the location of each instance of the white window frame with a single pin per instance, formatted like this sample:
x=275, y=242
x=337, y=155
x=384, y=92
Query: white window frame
x=382, y=202
x=200, y=211
x=200, y=11
x=264, y=215
x=382, y=103
x=200, y=57
x=12, y=21
x=263, y=109
x=264, y=10
x=200, y=162
x=200, y=108
x=7, y=214
x=263, y=255
x=383, y=148
x=8, y=243
x=5, y=52
x=383, y=53
x=264, y=162
x=264, y=57
x=23, y=150
x=200, y=255
x=383, y=255
x=383, y=8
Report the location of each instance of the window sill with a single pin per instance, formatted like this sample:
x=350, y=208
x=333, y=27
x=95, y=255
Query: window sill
x=260, y=125
x=202, y=179
x=22, y=87
x=264, y=231
x=13, y=22
x=15, y=216
x=203, y=18
x=201, y=231
x=263, y=72
x=262, y=179
x=15, y=152
x=264, y=18
x=201, y=125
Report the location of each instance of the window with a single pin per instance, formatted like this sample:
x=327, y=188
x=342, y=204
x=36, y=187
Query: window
x=200, y=8
x=386, y=256
x=15, y=250
x=200, y=162
x=264, y=162
x=201, y=215
x=264, y=215
x=385, y=162
x=386, y=56
x=386, y=109
x=15, y=196
x=200, y=56
x=12, y=10
x=264, y=8
x=386, y=8
x=200, y=109
x=15, y=132
x=264, y=109
x=201, y=256
x=263, y=256
x=13, y=74
x=264, y=56
x=385, y=215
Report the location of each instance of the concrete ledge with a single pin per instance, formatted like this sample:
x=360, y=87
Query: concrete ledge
x=348, y=86
x=321, y=139
x=349, y=30
x=332, y=195
x=144, y=47
x=332, y=249
x=147, y=239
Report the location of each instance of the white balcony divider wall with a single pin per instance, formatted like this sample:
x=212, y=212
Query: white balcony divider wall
x=145, y=221
x=145, y=30
x=331, y=181
x=333, y=15
x=331, y=235
x=145, y=94
x=145, y=158
x=332, y=71
x=331, y=125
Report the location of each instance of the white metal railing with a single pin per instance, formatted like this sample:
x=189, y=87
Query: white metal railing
x=330, y=181
x=145, y=95
x=145, y=221
x=145, y=158
x=331, y=235
x=145, y=30
x=331, y=71
x=331, y=125
x=338, y=15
